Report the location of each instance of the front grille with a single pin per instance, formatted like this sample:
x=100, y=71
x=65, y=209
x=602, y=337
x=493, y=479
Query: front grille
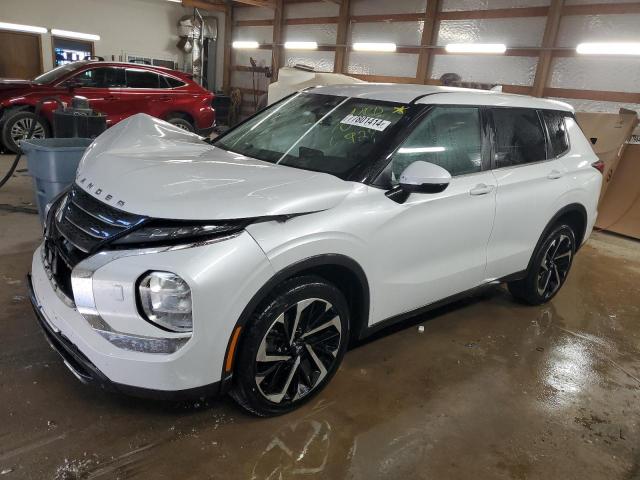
x=77, y=226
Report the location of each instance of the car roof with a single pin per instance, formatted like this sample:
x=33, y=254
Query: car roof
x=430, y=94
x=131, y=65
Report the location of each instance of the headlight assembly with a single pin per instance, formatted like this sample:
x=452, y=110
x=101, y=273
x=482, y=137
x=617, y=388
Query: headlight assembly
x=169, y=234
x=165, y=300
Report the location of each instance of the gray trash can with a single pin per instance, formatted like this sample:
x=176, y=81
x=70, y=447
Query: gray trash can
x=52, y=164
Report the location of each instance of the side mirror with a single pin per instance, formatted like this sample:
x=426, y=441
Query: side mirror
x=424, y=177
x=71, y=84
x=420, y=177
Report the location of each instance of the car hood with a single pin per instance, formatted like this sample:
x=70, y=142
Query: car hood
x=147, y=166
x=7, y=85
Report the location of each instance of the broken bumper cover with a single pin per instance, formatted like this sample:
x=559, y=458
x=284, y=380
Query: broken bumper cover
x=85, y=371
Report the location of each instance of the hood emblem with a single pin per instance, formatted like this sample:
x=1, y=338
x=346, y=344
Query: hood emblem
x=99, y=192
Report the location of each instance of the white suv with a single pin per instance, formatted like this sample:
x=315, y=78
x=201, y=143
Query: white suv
x=174, y=267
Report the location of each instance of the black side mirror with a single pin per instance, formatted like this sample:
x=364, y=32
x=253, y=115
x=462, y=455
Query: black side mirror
x=72, y=84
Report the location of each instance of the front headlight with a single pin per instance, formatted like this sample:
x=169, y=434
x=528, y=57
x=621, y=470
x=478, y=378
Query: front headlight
x=175, y=233
x=165, y=300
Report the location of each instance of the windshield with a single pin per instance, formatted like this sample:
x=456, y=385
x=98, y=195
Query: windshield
x=323, y=133
x=53, y=75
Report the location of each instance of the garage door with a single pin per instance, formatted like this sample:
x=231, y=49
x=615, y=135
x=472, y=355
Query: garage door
x=20, y=55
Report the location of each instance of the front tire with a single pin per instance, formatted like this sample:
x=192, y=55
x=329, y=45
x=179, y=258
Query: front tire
x=15, y=129
x=182, y=123
x=549, y=268
x=292, y=346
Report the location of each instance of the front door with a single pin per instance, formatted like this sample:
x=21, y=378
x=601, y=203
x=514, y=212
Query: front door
x=433, y=246
x=102, y=87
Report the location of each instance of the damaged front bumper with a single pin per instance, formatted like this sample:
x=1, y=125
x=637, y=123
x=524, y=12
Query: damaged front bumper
x=85, y=371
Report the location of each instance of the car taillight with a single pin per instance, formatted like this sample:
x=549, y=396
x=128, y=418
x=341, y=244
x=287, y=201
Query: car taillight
x=599, y=165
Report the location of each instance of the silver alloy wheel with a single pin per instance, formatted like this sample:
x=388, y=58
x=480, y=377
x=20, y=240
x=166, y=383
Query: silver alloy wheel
x=182, y=126
x=555, y=265
x=298, y=350
x=20, y=130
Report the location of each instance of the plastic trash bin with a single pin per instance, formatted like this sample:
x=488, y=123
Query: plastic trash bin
x=52, y=163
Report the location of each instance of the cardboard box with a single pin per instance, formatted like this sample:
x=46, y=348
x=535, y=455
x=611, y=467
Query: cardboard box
x=608, y=133
x=619, y=210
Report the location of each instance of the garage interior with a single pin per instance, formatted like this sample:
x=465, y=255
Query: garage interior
x=482, y=388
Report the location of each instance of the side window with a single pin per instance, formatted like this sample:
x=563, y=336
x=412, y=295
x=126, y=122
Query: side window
x=450, y=137
x=557, y=132
x=104, y=77
x=519, y=137
x=170, y=82
x=138, y=78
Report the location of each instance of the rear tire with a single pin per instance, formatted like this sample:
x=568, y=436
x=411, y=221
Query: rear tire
x=291, y=347
x=181, y=122
x=549, y=267
x=15, y=128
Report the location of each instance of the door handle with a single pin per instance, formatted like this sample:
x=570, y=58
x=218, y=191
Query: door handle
x=555, y=174
x=481, y=189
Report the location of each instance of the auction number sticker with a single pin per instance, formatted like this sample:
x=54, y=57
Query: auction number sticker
x=366, y=122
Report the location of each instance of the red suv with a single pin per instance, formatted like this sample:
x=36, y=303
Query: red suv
x=117, y=90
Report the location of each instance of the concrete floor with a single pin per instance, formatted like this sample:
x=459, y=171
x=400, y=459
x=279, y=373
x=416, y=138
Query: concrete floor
x=491, y=389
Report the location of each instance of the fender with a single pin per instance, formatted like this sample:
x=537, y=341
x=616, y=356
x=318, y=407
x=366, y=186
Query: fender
x=325, y=260
x=572, y=207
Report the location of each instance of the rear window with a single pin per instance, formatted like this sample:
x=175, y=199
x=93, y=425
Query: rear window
x=138, y=78
x=519, y=137
x=557, y=132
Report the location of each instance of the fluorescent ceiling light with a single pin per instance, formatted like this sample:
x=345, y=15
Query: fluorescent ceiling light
x=613, y=48
x=476, y=48
x=175, y=1
x=245, y=44
x=374, y=47
x=22, y=28
x=421, y=150
x=301, y=45
x=69, y=34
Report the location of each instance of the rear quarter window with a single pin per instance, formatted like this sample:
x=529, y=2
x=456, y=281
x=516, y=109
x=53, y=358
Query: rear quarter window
x=557, y=132
x=170, y=82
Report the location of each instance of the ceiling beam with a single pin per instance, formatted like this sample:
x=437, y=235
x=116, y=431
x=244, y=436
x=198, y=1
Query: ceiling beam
x=258, y=3
x=277, y=52
x=342, y=37
x=429, y=37
x=543, y=69
x=201, y=4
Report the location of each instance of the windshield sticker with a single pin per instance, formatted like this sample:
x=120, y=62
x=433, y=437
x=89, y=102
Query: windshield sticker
x=366, y=122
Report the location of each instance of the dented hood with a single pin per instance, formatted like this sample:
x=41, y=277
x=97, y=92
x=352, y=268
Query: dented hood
x=146, y=166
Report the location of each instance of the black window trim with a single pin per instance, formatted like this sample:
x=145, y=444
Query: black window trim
x=493, y=138
x=551, y=155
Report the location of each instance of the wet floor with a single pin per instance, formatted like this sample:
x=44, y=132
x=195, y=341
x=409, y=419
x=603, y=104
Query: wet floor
x=491, y=389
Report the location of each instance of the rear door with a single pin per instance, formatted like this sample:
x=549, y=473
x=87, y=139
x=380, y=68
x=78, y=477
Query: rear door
x=144, y=93
x=531, y=187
